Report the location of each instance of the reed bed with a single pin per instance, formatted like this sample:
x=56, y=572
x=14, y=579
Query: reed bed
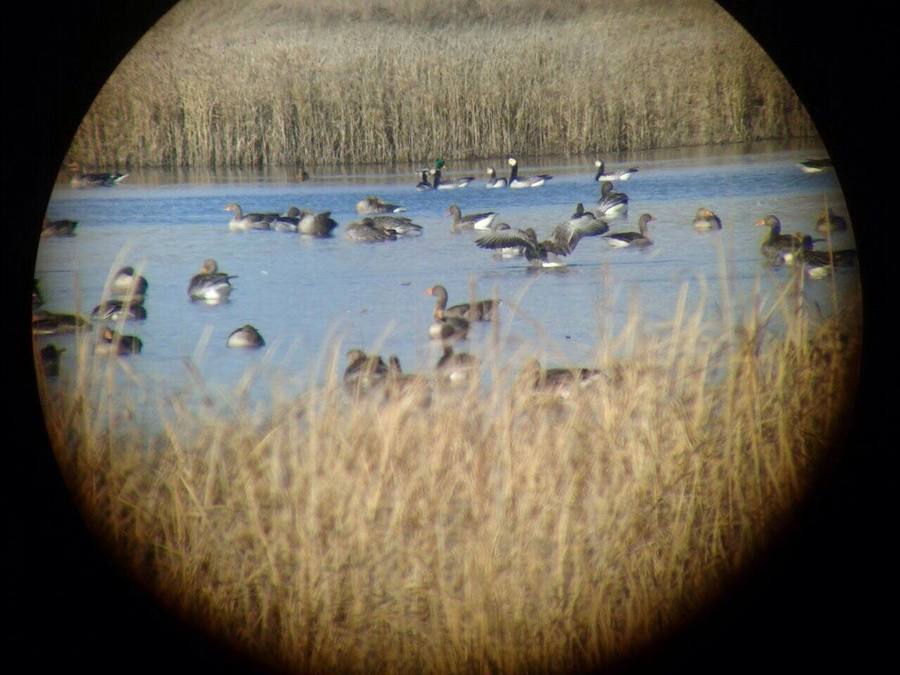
x=227, y=84
x=498, y=529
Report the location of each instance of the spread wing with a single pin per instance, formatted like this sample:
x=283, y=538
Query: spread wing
x=507, y=239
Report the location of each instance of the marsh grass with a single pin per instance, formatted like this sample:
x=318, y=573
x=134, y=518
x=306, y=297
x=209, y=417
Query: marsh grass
x=227, y=84
x=496, y=530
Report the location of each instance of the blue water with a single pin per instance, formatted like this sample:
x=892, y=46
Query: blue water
x=307, y=296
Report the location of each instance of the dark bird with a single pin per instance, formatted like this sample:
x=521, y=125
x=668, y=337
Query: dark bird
x=245, y=337
x=210, y=285
x=480, y=310
x=562, y=242
x=58, y=228
x=611, y=204
x=706, y=220
x=637, y=239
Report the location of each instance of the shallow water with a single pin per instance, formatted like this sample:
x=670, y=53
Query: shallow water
x=306, y=295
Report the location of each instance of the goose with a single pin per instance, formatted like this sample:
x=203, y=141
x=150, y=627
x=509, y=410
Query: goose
x=819, y=263
x=58, y=228
x=439, y=184
x=53, y=323
x=115, y=309
x=80, y=179
x=242, y=222
x=245, y=337
x=531, y=181
x=563, y=240
x=611, y=204
x=494, y=181
x=319, y=225
x=366, y=230
x=372, y=204
x=363, y=371
x=506, y=252
x=49, y=359
x=559, y=380
x=829, y=221
x=399, y=225
x=456, y=368
x=470, y=221
x=587, y=221
x=210, y=285
x=636, y=239
x=424, y=184
x=815, y=165
x=480, y=310
x=449, y=328
x=289, y=221
x=403, y=385
x=706, y=220
x=111, y=342
x=128, y=282
x=776, y=245
x=618, y=175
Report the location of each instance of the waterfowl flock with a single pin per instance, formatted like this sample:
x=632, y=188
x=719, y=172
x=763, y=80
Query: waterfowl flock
x=380, y=221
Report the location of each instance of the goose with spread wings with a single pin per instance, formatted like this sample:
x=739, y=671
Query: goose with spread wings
x=562, y=241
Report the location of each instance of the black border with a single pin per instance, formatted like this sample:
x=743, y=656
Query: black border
x=812, y=605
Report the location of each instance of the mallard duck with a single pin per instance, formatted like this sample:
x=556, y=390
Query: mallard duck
x=480, y=310
x=706, y=220
x=611, y=204
x=637, y=239
x=367, y=230
x=439, y=184
x=494, y=181
x=829, y=221
x=111, y=342
x=242, y=222
x=563, y=240
x=372, y=205
x=524, y=182
x=363, y=371
x=115, y=309
x=245, y=337
x=58, y=228
x=601, y=174
x=210, y=285
x=470, y=221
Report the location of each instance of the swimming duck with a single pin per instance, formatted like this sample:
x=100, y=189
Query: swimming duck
x=494, y=181
x=563, y=240
x=559, y=380
x=830, y=221
x=481, y=310
x=470, y=221
x=706, y=220
x=776, y=244
x=115, y=309
x=367, y=230
x=97, y=179
x=49, y=359
x=58, y=228
x=636, y=239
x=424, y=184
x=363, y=371
x=439, y=184
x=372, y=205
x=531, y=181
x=399, y=225
x=242, y=222
x=818, y=263
x=601, y=175
x=245, y=337
x=455, y=368
x=111, y=342
x=611, y=204
x=128, y=283
x=815, y=165
x=210, y=285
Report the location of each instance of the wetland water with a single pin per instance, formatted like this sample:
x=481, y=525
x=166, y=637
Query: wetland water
x=305, y=294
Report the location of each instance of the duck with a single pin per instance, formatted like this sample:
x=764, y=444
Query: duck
x=470, y=221
x=829, y=221
x=706, y=220
x=456, y=368
x=815, y=165
x=58, y=228
x=128, y=283
x=53, y=323
x=210, y=285
x=49, y=358
x=115, y=309
x=818, y=263
x=424, y=184
x=776, y=244
x=245, y=337
x=494, y=181
x=611, y=204
x=111, y=342
x=563, y=240
x=480, y=310
x=81, y=179
x=399, y=225
x=364, y=371
x=637, y=239
x=372, y=205
x=559, y=380
x=600, y=175
x=367, y=230
x=242, y=222
x=531, y=181
x=439, y=184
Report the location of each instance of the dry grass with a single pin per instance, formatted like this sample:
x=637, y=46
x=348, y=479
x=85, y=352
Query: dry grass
x=281, y=83
x=495, y=531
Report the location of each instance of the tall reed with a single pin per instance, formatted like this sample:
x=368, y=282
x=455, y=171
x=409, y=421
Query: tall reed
x=271, y=83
